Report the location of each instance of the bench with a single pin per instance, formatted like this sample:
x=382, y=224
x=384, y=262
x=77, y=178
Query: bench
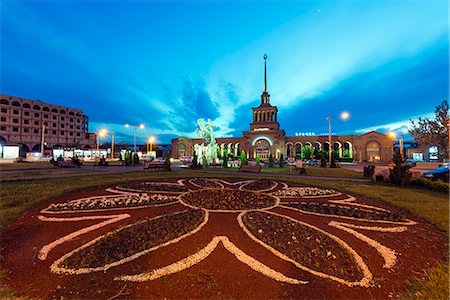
x=250, y=168
x=154, y=166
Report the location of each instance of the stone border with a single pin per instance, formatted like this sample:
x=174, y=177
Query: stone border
x=61, y=270
x=367, y=275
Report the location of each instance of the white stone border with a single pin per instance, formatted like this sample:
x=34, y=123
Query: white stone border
x=231, y=183
x=350, y=201
x=277, y=203
x=43, y=253
x=242, y=187
x=408, y=222
x=388, y=254
x=179, y=184
x=61, y=270
x=367, y=275
x=203, y=254
x=287, y=188
x=203, y=187
x=46, y=211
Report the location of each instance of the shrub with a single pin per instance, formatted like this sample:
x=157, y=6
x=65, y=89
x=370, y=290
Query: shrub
x=135, y=158
x=167, y=164
x=369, y=171
x=257, y=159
x=225, y=161
x=281, y=160
x=400, y=172
x=271, y=161
x=436, y=186
x=243, y=158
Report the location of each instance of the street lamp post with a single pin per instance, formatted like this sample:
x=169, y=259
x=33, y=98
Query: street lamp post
x=343, y=116
x=150, y=141
x=42, y=140
x=400, y=141
x=100, y=134
x=135, y=127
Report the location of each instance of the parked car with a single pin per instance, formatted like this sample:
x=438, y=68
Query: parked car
x=440, y=174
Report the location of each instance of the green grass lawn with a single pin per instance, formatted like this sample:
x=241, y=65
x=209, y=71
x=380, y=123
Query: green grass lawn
x=26, y=165
x=58, y=171
x=316, y=171
x=19, y=195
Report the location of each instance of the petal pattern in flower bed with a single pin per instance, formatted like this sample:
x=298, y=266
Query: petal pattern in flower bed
x=205, y=183
x=353, y=212
x=108, y=202
x=259, y=185
x=129, y=240
x=303, y=244
x=227, y=199
x=152, y=186
x=306, y=192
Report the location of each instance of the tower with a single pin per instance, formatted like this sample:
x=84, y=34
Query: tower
x=265, y=115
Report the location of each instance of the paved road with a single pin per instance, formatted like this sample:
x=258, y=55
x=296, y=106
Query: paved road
x=47, y=173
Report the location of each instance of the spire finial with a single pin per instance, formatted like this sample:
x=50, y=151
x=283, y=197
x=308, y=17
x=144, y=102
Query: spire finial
x=265, y=73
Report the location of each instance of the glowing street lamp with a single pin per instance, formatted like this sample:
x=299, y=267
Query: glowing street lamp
x=135, y=126
x=392, y=135
x=150, y=141
x=101, y=133
x=343, y=116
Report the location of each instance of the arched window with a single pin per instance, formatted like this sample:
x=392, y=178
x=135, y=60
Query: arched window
x=4, y=101
x=36, y=107
x=181, y=150
x=15, y=103
x=26, y=105
x=45, y=108
x=54, y=110
x=62, y=111
x=78, y=115
x=71, y=113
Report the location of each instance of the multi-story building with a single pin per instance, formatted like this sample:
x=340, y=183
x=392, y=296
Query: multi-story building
x=22, y=122
x=266, y=138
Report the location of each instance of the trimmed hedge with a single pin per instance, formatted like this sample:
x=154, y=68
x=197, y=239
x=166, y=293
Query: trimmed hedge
x=436, y=186
x=345, y=159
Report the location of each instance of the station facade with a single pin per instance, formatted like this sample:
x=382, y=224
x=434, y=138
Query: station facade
x=265, y=137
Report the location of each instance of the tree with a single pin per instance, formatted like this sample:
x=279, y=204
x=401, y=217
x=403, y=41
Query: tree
x=225, y=161
x=135, y=158
x=399, y=174
x=307, y=151
x=281, y=160
x=433, y=132
x=243, y=158
x=270, y=160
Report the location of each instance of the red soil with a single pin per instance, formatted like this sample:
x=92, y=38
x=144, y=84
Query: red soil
x=220, y=275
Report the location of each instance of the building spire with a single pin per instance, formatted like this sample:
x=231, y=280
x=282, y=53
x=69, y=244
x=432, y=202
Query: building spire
x=265, y=97
x=265, y=73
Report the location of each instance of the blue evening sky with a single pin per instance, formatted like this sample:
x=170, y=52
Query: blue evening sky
x=167, y=63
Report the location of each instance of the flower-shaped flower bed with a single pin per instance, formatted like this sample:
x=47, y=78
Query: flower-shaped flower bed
x=205, y=183
x=309, y=247
x=227, y=199
x=353, y=212
x=107, y=202
x=120, y=244
x=272, y=241
x=306, y=192
x=259, y=185
x=152, y=186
